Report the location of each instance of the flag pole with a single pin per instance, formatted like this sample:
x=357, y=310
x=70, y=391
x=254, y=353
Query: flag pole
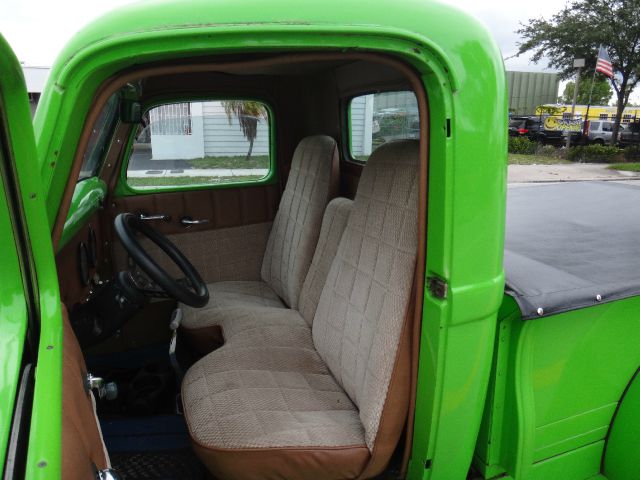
x=593, y=79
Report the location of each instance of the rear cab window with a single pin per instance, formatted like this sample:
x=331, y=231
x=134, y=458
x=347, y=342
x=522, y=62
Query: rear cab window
x=378, y=118
x=201, y=144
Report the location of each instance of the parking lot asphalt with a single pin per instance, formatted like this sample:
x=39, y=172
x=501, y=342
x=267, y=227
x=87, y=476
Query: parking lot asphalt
x=566, y=173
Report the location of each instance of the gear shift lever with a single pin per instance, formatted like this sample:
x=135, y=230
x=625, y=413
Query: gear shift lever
x=174, y=324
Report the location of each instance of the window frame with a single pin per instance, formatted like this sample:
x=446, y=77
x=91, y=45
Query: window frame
x=111, y=128
x=345, y=107
x=123, y=188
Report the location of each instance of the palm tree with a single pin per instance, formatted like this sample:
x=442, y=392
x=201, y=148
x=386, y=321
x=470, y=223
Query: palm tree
x=248, y=114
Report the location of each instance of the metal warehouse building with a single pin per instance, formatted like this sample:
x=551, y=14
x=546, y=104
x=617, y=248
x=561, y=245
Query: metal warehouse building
x=528, y=90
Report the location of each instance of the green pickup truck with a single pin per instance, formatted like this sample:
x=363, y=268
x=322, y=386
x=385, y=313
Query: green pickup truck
x=250, y=240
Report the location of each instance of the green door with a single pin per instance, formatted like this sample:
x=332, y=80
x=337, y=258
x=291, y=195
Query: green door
x=30, y=333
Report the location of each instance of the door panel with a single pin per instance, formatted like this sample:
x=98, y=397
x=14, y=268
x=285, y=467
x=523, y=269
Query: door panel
x=82, y=448
x=229, y=247
x=222, y=207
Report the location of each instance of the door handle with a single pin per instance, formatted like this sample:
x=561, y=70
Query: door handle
x=159, y=216
x=188, y=221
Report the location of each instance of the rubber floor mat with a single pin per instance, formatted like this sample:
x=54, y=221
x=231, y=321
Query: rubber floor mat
x=167, y=465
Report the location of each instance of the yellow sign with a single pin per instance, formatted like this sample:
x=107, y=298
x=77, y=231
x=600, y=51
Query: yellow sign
x=563, y=124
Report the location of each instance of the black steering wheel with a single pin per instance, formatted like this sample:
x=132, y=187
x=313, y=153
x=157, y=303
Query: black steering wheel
x=191, y=290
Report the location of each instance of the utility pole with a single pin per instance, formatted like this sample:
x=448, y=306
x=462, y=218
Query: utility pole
x=578, y=63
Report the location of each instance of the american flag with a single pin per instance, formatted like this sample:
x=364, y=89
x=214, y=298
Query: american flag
x=603, y=65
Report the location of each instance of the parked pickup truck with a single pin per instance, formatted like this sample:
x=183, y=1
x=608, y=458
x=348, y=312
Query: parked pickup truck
x=220, y=262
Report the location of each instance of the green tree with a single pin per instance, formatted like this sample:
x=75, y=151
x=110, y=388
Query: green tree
x=549, y=110
x=577, y=31
x=602, y=91
x=248, y=114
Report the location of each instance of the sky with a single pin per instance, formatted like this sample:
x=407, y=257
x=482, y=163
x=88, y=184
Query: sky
x=38, y=29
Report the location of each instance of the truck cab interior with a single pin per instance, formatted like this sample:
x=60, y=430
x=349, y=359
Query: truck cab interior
x=241, y=260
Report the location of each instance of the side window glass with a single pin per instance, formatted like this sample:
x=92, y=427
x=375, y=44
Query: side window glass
x=201, y=143
x=379, y=118
x=99, y=139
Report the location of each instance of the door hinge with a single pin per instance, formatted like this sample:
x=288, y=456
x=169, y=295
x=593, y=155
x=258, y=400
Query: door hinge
x=438, y=287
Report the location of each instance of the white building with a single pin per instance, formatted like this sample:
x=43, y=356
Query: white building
x=35, y=78
x=185, y=131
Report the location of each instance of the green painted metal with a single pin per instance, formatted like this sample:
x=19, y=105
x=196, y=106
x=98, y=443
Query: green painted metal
x=555, y=386
x=463, y=75
x=13, y=320
x=623, y=444
x=533, y=399
x=87, y=199
x=13, y=307
x=123, y=189
x=44, y=445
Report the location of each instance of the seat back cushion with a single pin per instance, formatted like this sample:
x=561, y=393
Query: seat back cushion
x=363, y=312
x=333, y=225
x=312, y=182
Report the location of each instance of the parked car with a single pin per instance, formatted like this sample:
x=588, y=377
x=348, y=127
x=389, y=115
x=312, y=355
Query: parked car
x=631, y=135
x=533, y=129
x=281, y=300
x=600, y=132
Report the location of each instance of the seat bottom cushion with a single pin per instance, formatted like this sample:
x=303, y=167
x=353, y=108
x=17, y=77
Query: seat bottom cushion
x=231, y=294
x=203, y=326
x=263, y=411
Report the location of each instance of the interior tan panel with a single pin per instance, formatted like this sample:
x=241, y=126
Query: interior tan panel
x=218, y=255
x=223, y=208
x=82, y=447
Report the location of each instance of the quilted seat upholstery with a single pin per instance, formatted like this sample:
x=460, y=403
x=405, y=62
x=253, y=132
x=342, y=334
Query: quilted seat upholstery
x=224, y=295
x=236, y=303
x=285, y=399
x=311, y=184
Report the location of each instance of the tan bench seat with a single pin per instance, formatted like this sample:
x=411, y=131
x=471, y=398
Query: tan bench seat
x=326, y=400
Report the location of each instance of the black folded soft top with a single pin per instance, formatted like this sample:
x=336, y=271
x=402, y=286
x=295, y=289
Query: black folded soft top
x=571, y=245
